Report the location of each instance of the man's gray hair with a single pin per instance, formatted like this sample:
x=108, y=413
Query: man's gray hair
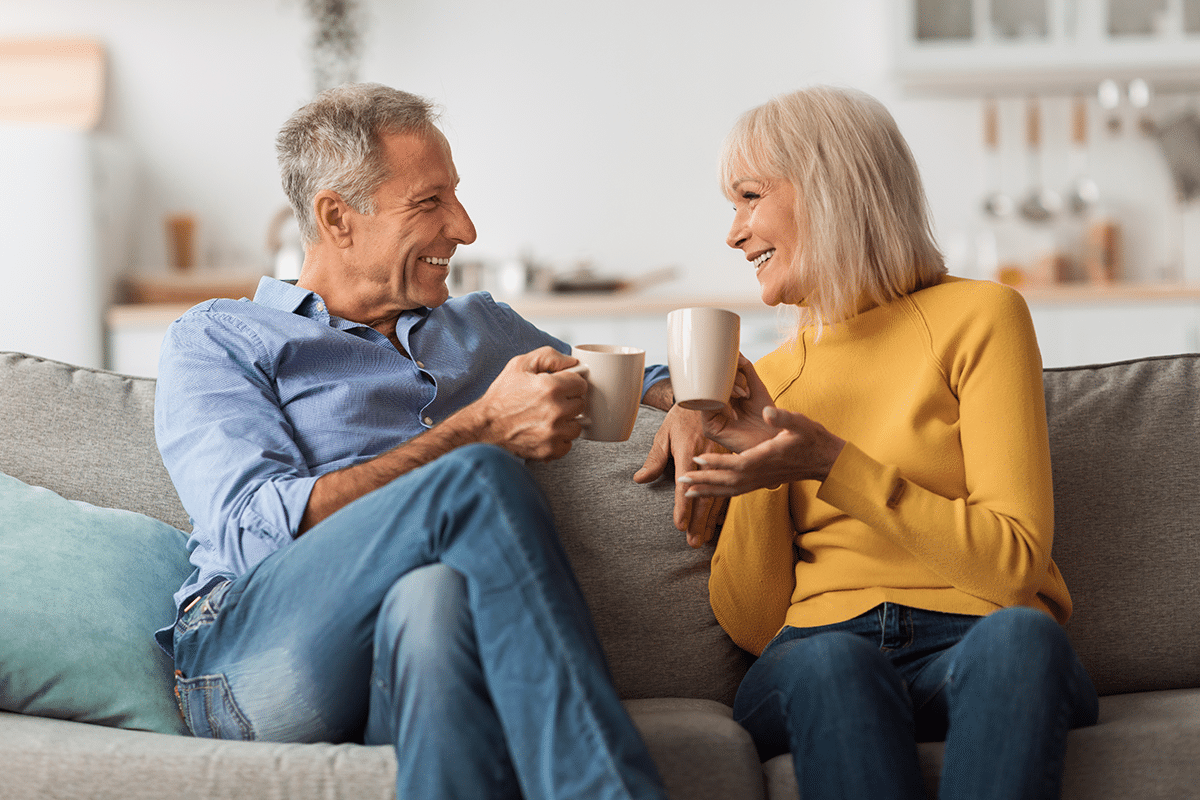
x=335, y=142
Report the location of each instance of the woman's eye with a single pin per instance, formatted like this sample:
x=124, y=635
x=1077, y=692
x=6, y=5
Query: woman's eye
x=749, y=195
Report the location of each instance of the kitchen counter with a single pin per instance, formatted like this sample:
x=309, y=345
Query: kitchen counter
x=1076, y=324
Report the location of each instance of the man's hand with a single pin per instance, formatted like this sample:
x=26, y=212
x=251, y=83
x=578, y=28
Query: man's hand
x=532, y=409
x=680, y=438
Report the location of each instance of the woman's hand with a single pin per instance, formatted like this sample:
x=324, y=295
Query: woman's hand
x=739, y=426
x=799, y=449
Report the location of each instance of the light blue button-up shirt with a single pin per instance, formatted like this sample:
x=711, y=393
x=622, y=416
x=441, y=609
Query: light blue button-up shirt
x=256, y=400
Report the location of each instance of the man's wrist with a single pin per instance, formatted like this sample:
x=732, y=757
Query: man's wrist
x=660, y=395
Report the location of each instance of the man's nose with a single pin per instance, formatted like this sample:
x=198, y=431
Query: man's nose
x=460, y=228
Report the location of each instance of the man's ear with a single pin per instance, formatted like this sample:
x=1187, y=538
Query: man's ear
x=333, y=218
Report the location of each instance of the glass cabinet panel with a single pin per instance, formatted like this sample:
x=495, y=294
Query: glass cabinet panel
x=1136, y=17
x=944, y=19
x=1020, y=19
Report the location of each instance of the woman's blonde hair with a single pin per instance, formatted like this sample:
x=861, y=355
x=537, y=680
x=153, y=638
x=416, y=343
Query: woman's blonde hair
x=866, y=237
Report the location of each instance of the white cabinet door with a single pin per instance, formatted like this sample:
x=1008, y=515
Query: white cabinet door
x=1094, y=334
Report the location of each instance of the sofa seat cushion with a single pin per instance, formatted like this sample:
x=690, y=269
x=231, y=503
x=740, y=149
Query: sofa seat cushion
x=84, y=588
x=700, y=751
x=1144, y=746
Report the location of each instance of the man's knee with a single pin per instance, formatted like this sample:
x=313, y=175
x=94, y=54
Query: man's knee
x=426, y=619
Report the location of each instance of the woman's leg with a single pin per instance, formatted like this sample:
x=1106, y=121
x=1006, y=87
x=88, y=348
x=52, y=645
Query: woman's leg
x=1009, y=692
x=839, y=706
x=288, y=654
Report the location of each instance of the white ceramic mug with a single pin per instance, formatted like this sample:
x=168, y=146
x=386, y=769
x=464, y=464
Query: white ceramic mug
x=614, y=374
x=702, y=354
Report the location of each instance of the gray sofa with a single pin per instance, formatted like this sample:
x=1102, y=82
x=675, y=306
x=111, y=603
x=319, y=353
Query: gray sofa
x=1126, y=447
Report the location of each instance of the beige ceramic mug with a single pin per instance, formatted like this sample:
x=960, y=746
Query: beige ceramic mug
x=702, y=354
x=614, y=374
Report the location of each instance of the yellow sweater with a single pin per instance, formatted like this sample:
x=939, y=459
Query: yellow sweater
x=942, y=497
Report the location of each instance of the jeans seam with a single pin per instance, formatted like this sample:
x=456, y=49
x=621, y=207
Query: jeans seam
x=208, y=686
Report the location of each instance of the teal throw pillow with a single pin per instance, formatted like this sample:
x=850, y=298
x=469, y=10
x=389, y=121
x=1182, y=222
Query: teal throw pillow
x=82, y=590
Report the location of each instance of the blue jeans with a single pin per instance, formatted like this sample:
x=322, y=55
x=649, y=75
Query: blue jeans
x=850, y=701
x=438, y=614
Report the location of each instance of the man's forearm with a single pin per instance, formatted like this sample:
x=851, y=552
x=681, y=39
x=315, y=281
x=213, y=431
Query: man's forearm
x=660, y=395
x=334, y=490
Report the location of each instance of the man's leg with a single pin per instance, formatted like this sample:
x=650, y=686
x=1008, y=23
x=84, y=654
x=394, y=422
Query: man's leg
x=289, y=654
x=429, y=693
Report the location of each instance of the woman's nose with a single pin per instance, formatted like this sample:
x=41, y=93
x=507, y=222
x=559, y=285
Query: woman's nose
x=737, y=232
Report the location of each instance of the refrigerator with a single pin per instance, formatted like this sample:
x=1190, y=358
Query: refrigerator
x=66, y=199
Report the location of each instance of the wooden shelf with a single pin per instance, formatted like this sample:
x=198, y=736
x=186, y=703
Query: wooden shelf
x=1085, y=293
x=190, y=287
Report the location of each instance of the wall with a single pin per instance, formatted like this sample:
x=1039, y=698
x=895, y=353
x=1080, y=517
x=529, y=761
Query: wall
x=581, y=131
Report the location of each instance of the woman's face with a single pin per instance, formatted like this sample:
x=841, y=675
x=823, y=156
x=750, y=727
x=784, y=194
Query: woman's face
x=766, y=229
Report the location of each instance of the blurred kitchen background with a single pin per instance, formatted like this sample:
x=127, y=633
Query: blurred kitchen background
x=1059, y=141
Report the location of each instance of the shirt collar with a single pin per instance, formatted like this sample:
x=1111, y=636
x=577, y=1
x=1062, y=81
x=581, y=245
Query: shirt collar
x=287, y=296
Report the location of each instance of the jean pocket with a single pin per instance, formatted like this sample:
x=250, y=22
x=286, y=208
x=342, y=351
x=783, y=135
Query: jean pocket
x=209, y=710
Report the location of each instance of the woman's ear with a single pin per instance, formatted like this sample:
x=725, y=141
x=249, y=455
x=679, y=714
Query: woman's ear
x=333, y=218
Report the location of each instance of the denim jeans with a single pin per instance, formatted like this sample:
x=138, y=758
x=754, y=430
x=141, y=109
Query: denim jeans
x=850, y=701
x=438, y=614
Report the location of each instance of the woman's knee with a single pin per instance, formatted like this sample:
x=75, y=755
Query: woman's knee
x=1019, y=632
x=1016, y=645
x=827, y=663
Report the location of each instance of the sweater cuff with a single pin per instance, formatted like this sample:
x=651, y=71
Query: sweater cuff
x=861, y=486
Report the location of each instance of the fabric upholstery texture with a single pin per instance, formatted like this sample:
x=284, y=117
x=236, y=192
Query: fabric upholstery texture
x=85, y=434
x=82, y=586
x=1125, y=444
x=647, y=590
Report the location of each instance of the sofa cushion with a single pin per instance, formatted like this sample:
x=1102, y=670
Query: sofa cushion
x=1125, y=450
x=83, y=590
x=85, y=434
x=648, y=591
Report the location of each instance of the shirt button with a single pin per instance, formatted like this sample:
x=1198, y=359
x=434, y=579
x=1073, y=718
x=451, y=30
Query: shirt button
x=421, y=364
x=429, y=421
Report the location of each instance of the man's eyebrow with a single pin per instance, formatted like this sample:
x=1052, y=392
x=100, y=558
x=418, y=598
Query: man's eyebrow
x=434, y=187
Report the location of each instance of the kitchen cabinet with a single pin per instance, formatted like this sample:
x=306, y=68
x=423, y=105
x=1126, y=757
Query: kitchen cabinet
x=1098, y=324
x=1050, y=46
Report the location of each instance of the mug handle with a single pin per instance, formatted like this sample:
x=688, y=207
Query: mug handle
x=582, y=371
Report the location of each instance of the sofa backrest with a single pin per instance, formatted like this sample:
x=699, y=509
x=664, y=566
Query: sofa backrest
x=648, y=591
x=1125, y=449
x=1125, y=443
x=85, y=434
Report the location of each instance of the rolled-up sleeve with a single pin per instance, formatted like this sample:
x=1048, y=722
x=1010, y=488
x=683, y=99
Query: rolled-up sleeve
x=226, y=442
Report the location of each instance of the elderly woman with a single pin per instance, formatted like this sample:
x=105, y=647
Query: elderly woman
x=886, y=552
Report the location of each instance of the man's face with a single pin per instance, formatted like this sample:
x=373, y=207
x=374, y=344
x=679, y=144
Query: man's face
x=403, y=250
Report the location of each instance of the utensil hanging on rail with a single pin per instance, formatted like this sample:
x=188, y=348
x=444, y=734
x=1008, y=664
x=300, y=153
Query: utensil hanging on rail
x=1083, y=193
x=995, y=203
x=1042, y=203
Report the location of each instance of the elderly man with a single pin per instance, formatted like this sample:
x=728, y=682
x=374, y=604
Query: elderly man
x=373, y=561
